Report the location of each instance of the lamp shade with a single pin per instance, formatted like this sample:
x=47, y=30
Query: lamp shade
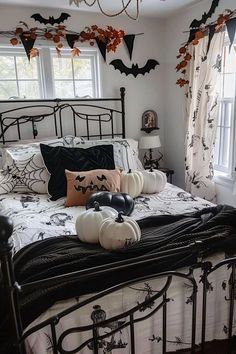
x=149, y=142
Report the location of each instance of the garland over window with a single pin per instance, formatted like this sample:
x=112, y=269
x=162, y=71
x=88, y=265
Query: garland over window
x=59, y=35
x=227, y=21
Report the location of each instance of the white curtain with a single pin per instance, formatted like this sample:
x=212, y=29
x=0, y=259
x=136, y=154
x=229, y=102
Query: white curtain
x=202, y=113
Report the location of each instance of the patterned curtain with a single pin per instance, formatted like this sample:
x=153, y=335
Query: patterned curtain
x=202, y=113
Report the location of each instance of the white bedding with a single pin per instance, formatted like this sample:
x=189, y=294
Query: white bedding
x=36, y=217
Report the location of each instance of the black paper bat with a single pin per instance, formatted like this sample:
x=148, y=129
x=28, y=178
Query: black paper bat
x=51, y=20
x=134, y=70
x=205, y=16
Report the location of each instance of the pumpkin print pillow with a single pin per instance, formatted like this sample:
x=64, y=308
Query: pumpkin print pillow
x=80, y=185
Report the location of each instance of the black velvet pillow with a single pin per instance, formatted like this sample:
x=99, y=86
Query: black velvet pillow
x=58, y=159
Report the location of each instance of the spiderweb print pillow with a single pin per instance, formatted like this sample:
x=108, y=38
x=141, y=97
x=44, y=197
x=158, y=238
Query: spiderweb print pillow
x=23, y=166
x=24, y=175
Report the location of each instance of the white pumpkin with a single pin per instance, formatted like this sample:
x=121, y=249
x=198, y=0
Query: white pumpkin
x=132, y=183
x=154, y=181
x=88, y=223
x=119, y=233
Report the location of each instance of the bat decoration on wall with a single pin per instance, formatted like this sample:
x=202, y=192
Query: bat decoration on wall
x=135, y=70
x=51, y=20
x=197, y=23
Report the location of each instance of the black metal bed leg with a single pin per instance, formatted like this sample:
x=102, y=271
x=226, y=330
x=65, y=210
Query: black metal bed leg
x=10, y=286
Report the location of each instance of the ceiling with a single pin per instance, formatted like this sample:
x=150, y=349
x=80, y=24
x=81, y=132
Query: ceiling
x=153, y=8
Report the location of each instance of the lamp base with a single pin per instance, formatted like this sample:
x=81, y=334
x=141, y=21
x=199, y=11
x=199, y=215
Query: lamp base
x=149, y=162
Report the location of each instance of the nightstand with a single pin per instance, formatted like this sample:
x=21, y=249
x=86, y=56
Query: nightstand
x=169, y=173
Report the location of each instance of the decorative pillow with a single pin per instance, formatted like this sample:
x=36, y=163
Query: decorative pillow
x=23, y=167
x=125, y=151
x=24, y=175
x=58, y=159
x=7, y=182
x=80, y=185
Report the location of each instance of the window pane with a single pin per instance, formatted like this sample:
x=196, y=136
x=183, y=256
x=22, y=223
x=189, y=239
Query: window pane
x=62, y=68
x=64, y=89
x=29, y=89
x=227, y=114
x=217, y=146
x=230, y=60
x=8, y=89
x=229, y=85
x=225, y=148
x=83, y=88
x=26, y=69
x=7, y=67
x=82, y=68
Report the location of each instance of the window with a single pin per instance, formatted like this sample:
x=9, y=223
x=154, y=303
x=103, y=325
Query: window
x=48, y=76
x=18, y=77
x=225, y=140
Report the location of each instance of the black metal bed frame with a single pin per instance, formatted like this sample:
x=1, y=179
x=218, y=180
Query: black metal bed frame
x=56, y=111
x=12, y=289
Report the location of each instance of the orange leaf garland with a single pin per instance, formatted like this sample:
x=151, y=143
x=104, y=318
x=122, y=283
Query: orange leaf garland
x=58, y=34
x=199, y=33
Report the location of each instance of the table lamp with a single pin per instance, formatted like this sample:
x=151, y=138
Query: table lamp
x=150, y=142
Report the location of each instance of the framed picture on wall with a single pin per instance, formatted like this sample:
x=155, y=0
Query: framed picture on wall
x=149, y=119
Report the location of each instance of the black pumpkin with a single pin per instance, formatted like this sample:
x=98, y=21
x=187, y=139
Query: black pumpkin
x=119, y=201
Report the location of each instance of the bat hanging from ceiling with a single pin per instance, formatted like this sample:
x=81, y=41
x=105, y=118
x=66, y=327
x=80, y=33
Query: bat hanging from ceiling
x=197, y=23
x=51, y=20
x=134, y=70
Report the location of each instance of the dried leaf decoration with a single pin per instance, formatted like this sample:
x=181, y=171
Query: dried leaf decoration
x=14, y=41
x=184, y=55
x=59, y=35
x=34, y=53
x=75, y=52
x=110, y=36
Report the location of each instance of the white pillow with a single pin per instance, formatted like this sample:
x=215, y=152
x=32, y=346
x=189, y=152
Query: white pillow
x=23, y=166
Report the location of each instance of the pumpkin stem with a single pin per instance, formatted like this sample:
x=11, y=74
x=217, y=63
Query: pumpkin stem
x=96, y=206
x=151, y=169
x=119, y=219
x=130, y=171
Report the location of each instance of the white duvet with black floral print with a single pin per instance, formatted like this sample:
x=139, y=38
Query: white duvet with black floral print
x=36, y=217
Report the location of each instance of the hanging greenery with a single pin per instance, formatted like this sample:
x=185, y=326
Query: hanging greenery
x=59, y=35
x=227, y=21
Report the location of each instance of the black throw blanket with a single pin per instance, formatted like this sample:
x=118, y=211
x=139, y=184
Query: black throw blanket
x=215, y=227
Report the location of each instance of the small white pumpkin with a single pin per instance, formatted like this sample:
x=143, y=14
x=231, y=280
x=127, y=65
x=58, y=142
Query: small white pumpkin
x=88, y=223
x=119, y=233
x=154, y=181
x=132, y=183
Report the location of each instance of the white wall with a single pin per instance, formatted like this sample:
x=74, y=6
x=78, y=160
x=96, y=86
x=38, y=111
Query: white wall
x=143, y=92
x=174, y=114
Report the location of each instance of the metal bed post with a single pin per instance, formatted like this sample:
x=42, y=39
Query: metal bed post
x=10, y=285
x=122, y=96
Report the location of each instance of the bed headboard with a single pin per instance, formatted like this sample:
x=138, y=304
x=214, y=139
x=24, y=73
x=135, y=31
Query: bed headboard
x=95, y=118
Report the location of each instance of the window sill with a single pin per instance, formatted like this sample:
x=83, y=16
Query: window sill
x=224, y=179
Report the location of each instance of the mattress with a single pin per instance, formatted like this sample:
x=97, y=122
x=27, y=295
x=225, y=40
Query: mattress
x=36, y=217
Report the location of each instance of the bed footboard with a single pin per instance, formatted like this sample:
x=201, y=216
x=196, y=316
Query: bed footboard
x=154, y=303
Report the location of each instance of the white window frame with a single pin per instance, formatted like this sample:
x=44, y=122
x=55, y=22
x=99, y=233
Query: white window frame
x=85, y=54
x=222, y=173
x=9, y=51
x=45, y=69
